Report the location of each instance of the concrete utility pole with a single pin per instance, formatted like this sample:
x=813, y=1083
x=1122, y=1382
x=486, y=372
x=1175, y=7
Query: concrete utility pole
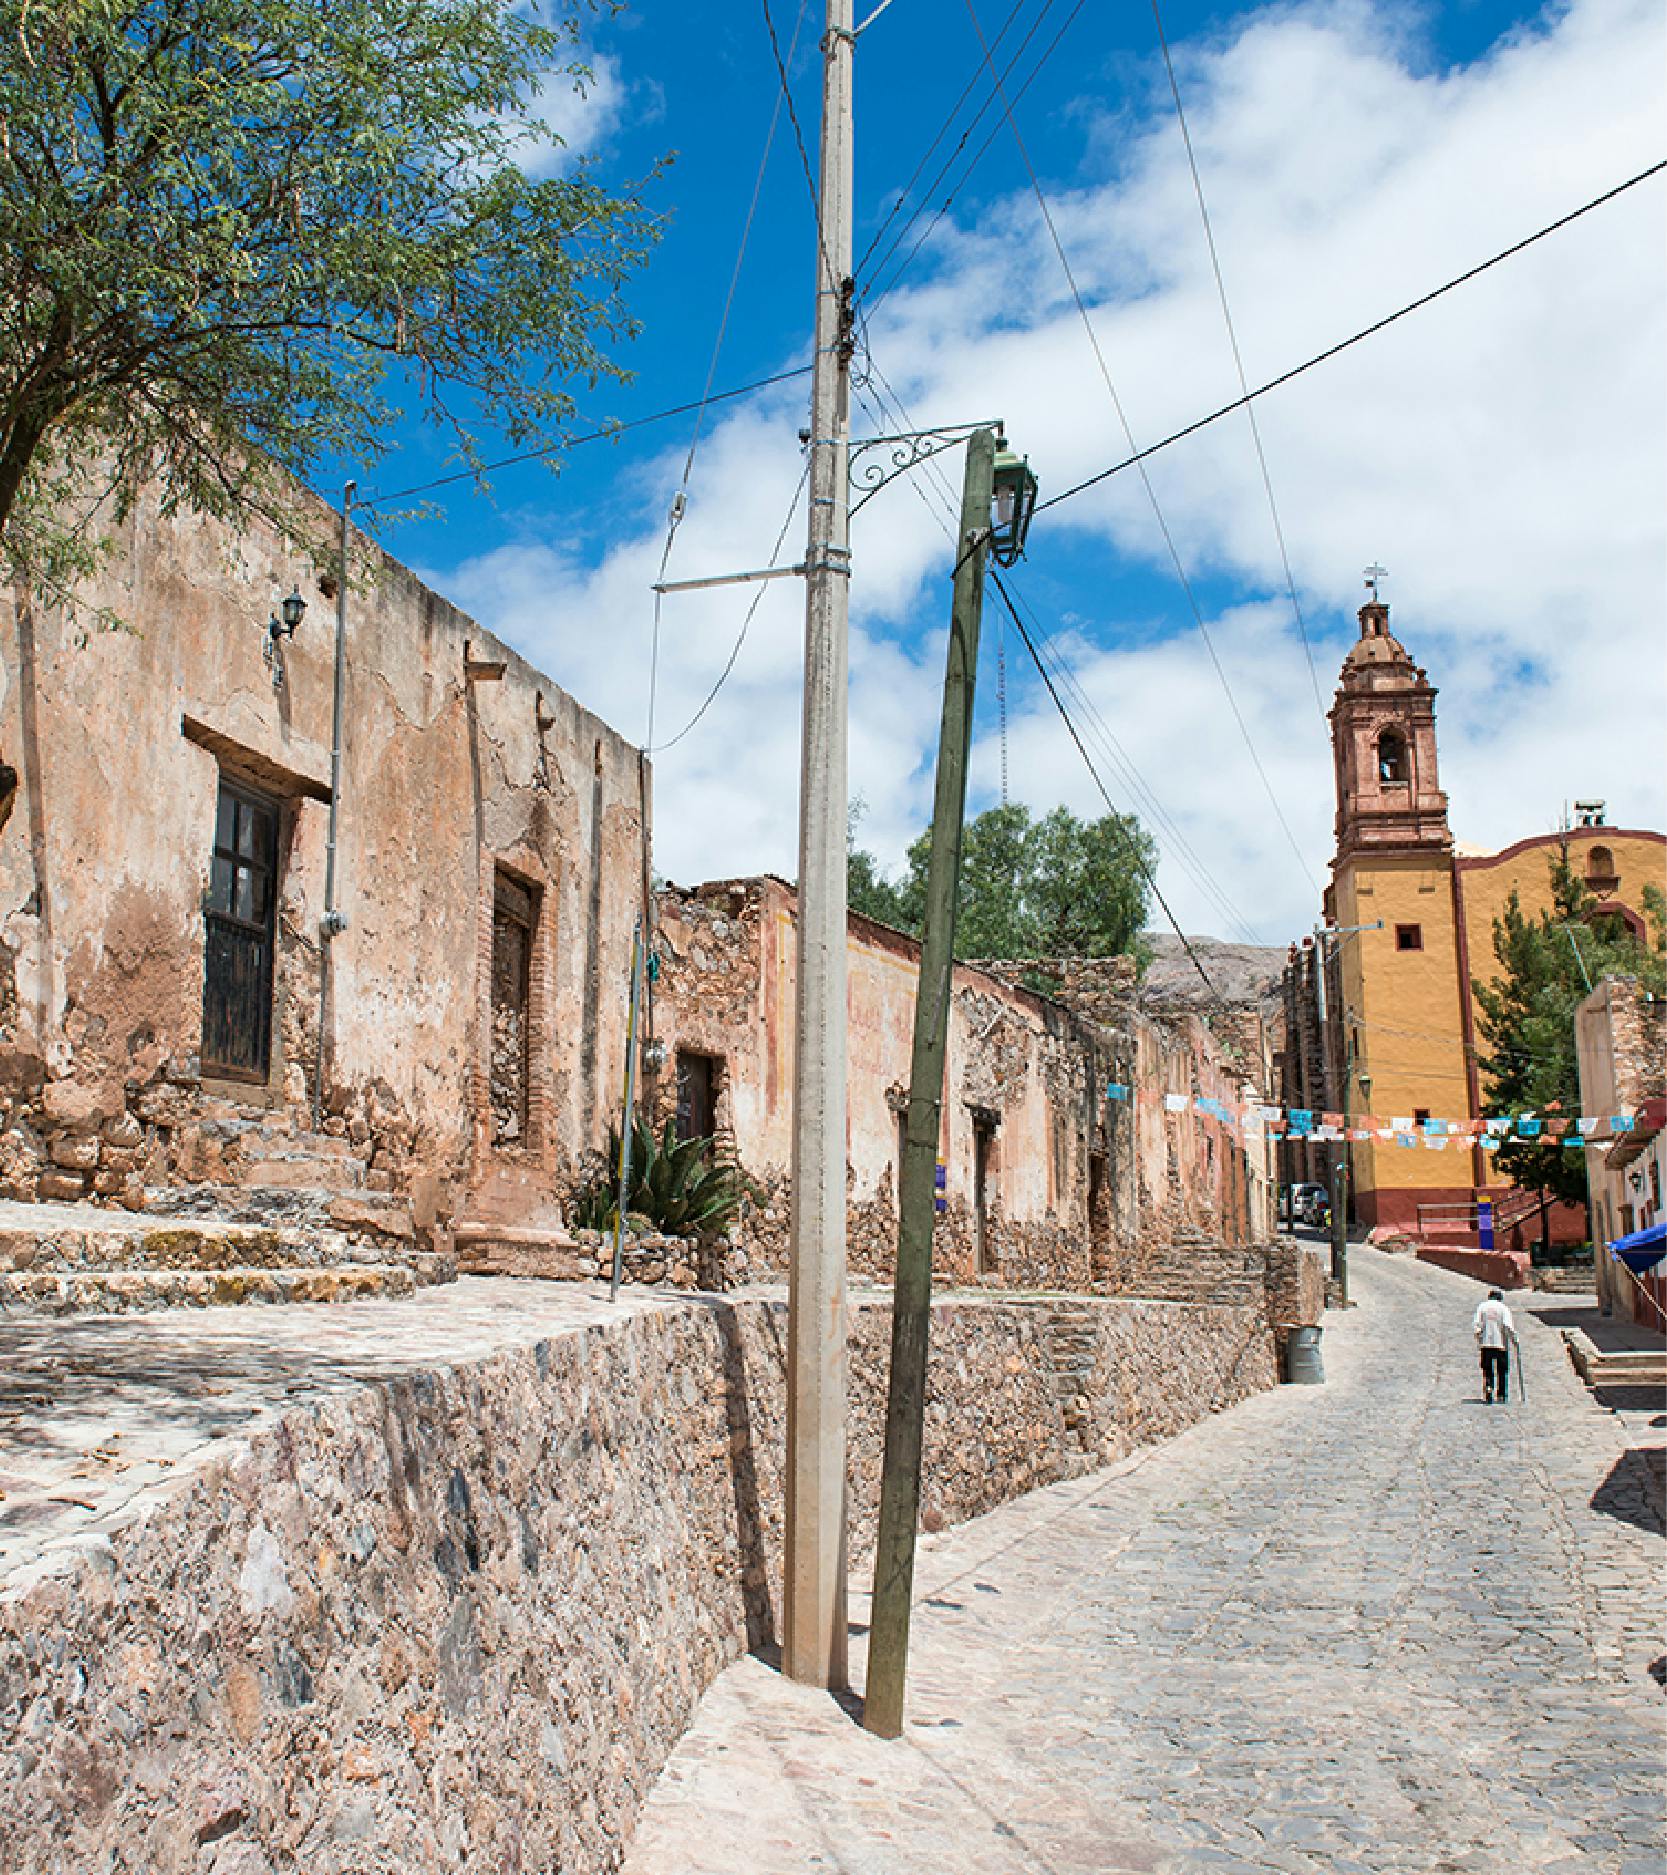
x=814, y=1624
x=894, y=1556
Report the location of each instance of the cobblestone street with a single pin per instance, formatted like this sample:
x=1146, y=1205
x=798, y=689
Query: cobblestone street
x=1374, y=1626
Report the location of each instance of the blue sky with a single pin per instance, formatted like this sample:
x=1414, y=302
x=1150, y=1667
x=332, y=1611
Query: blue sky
x=1500, y=453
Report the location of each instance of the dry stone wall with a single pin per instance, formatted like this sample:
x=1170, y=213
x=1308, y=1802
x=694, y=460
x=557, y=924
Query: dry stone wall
x=458, y=1620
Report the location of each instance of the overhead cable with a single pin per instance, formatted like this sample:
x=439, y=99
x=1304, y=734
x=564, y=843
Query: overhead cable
x=602, y=435
x=875, y=297
x=746, y=623
x=1238, y=360
x=1226, y=410
x=896, y=208
x=680, y=498
x=1134, y=848
x=1151, y=493
x=1163, y=822
x=894, y=409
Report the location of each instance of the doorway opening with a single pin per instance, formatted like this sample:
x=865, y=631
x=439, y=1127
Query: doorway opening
x=984, y=1125
x=509, y=1078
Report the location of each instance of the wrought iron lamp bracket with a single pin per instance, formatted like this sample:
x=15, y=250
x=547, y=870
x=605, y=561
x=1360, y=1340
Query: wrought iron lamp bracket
x=902, y=453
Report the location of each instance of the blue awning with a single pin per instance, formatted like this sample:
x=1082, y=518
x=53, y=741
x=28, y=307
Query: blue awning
x=1643, y=1249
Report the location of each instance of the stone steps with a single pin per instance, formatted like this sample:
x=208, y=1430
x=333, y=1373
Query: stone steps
x=350, y=1212
x=486, y=1248
x=83, y=1259
x=1071, y=1337
x=1578, y=1279
x=1616, y=1367
x=37, y=1292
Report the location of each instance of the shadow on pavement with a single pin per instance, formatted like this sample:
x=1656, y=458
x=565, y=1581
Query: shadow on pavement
x=1633, y=1492
x=1641, y=1397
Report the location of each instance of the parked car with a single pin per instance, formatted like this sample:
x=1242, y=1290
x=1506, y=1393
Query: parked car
x=1308, y=1203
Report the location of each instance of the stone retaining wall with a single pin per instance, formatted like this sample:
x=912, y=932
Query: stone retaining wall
x=1500, y=1269
x=458, y=1620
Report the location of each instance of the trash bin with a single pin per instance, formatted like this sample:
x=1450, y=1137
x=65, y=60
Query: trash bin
x=1303, y=1366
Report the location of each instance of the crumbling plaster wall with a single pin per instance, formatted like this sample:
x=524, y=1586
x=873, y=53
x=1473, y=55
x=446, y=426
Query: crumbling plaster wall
x=104, y=865
x=1036, y=1066
x=458, y=1619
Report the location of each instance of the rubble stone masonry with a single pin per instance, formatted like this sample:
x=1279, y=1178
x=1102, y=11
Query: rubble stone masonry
x=457, y=1615
x=1045, y=1181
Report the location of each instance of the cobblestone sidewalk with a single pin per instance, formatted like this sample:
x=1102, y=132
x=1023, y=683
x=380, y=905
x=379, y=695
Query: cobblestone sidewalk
x=1370, y=1627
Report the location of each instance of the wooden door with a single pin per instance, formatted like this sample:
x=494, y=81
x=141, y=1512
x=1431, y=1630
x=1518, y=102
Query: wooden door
x=240, y=917
x=697, y=1095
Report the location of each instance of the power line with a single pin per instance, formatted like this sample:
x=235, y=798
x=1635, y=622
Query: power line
x=1134, y=849
x=787, y=95
x=1146, y=480
x=746, y=623
x=589, y=436
x=1238, y=360
x=875, y=297
x=1141, y=455
x=926, y=155
x=1164, y=822
x=1200, y=873
x=1098, y=729
x=680, y=499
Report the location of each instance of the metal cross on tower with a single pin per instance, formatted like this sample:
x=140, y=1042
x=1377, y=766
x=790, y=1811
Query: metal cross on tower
x=1373, y=574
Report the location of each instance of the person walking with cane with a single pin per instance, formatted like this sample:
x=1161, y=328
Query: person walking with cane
x=1495, y=1335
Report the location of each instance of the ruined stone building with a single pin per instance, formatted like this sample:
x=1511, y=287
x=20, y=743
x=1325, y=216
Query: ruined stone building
x=177, y=1029
x=1045, y=1180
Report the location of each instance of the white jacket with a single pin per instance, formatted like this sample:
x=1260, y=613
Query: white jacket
x=1493, y=1326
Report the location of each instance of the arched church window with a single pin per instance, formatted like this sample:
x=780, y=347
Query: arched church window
x=1392, y=756
x=1600, y=869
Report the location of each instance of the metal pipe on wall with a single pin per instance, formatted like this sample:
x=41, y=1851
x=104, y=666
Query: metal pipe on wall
x=334, y=920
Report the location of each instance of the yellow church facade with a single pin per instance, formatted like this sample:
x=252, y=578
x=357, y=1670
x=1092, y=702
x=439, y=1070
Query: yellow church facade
x=1412, y=925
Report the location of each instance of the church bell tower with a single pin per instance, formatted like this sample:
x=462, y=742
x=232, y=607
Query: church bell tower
x=1383, y=746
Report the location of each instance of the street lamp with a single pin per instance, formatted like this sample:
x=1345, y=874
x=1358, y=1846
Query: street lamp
x=290, y=610
x=282, y=625
x=1013, y=504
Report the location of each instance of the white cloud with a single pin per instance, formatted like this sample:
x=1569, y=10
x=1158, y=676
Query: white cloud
x=1501, y=452
x=582, y=112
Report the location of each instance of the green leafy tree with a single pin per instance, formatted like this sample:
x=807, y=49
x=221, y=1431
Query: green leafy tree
x=1526, y=1014
x=1054, y=887
x=867, y=889
x=232, y=231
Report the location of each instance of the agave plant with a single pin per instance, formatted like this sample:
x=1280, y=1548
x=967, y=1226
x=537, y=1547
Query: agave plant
x=682, y=1186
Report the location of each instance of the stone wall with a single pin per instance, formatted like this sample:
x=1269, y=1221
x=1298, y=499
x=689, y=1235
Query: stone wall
x=457, y=1620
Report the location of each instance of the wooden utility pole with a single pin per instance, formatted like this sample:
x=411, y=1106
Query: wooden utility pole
x=894, y=1557
x=814, y=1623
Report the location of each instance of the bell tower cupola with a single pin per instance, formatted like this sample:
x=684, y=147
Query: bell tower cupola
x=1383, y=746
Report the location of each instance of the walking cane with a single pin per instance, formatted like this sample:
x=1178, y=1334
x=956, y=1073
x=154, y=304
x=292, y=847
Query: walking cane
x=1522, y=1390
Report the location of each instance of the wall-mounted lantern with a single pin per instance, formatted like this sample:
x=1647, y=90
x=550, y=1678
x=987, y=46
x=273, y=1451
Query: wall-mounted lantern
x=1013, y=505
x=282, y=625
